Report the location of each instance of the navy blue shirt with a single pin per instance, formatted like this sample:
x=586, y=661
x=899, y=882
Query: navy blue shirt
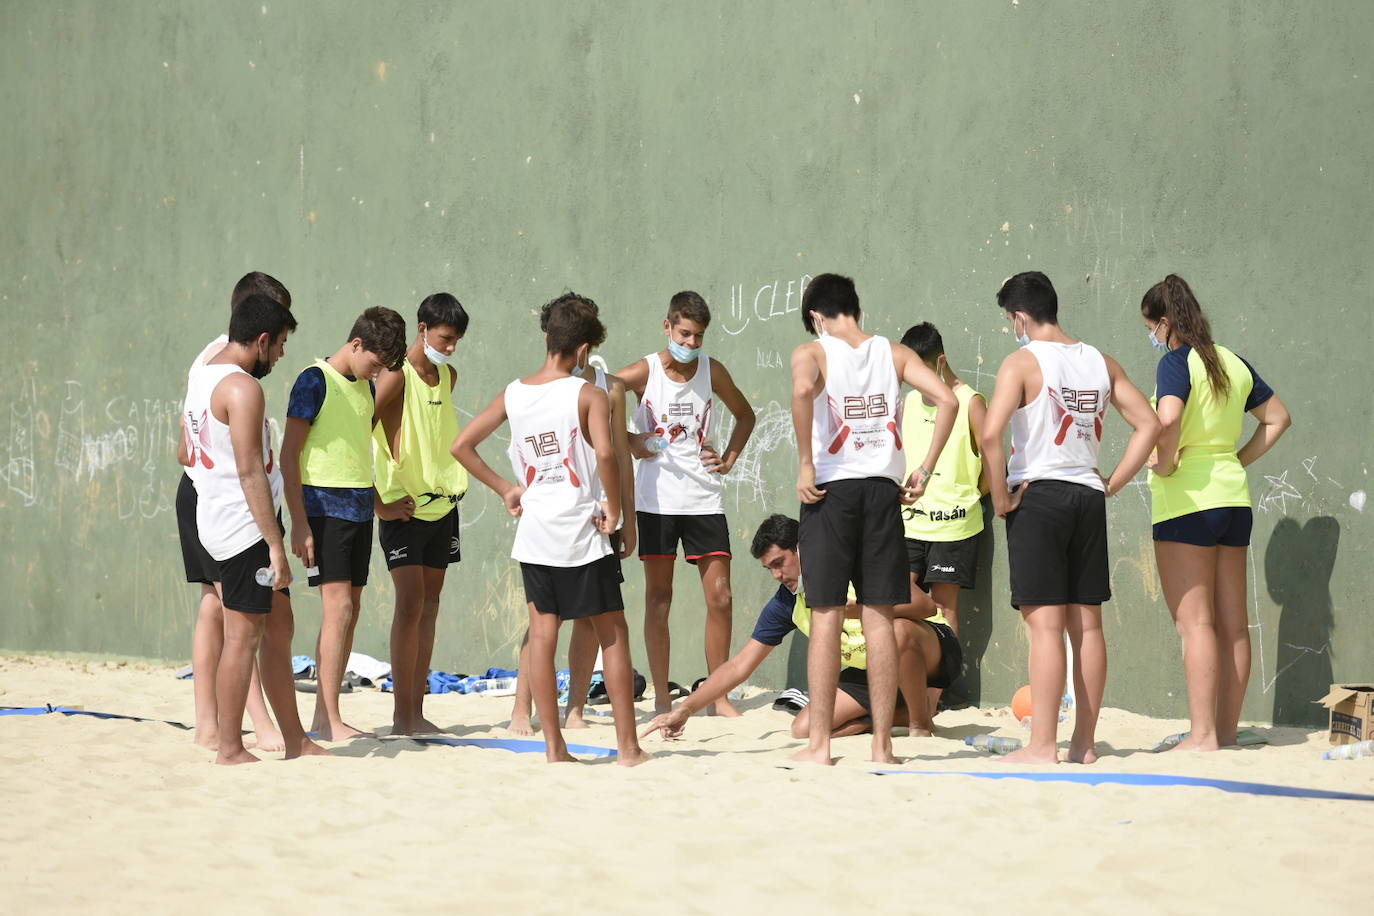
x=775, y=621
x=352, y=504
x=1172, y=377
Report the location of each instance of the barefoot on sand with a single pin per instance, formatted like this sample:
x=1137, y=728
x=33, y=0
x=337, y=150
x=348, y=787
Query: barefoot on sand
x=806, y=755
x=520, y=726
x=340, y=732
x=268, y=742
x=633, y=758
x=1029, y=755
x=235, y=758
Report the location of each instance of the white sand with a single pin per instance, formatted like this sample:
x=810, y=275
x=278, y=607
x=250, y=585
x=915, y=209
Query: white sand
x=123, y=817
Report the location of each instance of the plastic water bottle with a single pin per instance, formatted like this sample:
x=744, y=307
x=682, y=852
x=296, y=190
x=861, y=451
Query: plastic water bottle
x=1351, y=751
x=993, y=744
x=1065, y=711
x=495, y=686
x=656, y=444
x=266, y=576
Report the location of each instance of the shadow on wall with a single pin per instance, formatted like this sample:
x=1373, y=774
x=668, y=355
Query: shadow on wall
x=1297, y=569
x=975, y=619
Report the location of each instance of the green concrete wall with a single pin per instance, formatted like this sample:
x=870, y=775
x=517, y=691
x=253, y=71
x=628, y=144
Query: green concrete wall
x=371, y=153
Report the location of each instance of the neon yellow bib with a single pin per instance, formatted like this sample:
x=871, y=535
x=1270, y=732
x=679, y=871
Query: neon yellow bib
x=950, y=509
x=853, y=649
x=1209, y=475
x=424, y=466
x=337, y=452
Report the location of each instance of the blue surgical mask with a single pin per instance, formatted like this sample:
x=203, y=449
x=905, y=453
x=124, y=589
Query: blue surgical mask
x=433, y=355
x=1158, y=344
x=1022, y=339
x=683, y=354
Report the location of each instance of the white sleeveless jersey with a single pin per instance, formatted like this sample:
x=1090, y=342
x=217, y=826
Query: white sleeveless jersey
x=557, y=467
x=210, y=352
x=676, y=482
x=223, y=519
x=856, y=420
x=1057, y=435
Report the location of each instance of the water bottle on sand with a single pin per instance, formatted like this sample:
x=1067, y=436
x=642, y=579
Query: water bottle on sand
x=495, y=686
x=993, y=744
x=1350, y=751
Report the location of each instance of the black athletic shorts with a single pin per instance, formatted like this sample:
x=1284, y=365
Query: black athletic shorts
x=1225, y=527
x=239, y=586
x=701, y=536
x=1057, y=545
x=615, y=553
x=574, y=592
x=200, y=566
x=343, y=550
x=419, y=542
x=944, y=561
x=855, y=535
x=854, y=681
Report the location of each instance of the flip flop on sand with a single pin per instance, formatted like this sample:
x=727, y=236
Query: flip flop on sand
x=1244, y=738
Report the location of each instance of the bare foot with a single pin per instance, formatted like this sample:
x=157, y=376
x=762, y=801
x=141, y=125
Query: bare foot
x=561, y=757
x=725, y=709
x=207, y=739
x=1193, y=743
x=520, y=726
x=1031, y=755
x=919, y=733
x=341, y=732
x=633, y=758
x=233, y=758
x=309, y=749
x=268, y=741
x=424, y=727
x=574, y=719
x=882, y=752
x=663, y=705
x=806, y=755
x=1086, y=754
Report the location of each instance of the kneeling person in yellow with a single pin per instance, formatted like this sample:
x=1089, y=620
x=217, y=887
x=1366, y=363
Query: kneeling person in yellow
x=943, y=526
x=327, y=469
x=418, y=487
x=929, y=653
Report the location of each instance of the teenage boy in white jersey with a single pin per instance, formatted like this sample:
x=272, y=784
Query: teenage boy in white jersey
x=1054, y=393
x=846, y=410
x=560, y=435
x=207, y=640
x=418, y=489
x=238, y=494
x=582, y=645
x=326, y=455
x=679, y=490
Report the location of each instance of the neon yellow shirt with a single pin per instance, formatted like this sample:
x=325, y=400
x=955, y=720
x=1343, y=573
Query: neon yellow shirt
x=424, y=469
x=950, y=510
x=337, y=452
x=853, y=648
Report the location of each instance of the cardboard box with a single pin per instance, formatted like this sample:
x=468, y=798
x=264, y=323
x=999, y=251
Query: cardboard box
x=1352, y=712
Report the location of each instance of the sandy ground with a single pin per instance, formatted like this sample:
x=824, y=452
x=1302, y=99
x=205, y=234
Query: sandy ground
x=122, y=817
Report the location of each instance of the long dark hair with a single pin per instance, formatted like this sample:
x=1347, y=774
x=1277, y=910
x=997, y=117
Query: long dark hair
x=1172, y=298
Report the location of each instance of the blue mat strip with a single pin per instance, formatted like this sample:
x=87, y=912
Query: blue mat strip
x=516, y=745
x=1146, y=779
x=45, y=710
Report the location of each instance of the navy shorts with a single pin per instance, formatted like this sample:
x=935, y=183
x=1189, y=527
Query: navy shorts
x=1225, y=527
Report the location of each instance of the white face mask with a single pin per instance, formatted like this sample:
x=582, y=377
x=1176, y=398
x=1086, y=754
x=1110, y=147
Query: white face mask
x=433, y=355
x=1159, y=345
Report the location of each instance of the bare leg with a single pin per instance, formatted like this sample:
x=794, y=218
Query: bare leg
x=1233, y=641
x=241, y=634
x=822, y=676
x=1084, y=622
x=424, y=655
x=405, y=641
x=266, y=736
x=847, y=718
x=206, y=645
x=278, y=681
x=913, y=642
x=1047, y=663
x=581, y=660
x=946, y=598
x=658, y=600
x=543, y=635
x=882, y=677
x=614, y=635
x=336, y=634
x=520, y=712
x=1188, y=574
x=715, y=584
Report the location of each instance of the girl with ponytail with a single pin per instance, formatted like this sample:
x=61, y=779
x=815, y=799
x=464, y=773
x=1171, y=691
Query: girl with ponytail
x=1201, y=501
